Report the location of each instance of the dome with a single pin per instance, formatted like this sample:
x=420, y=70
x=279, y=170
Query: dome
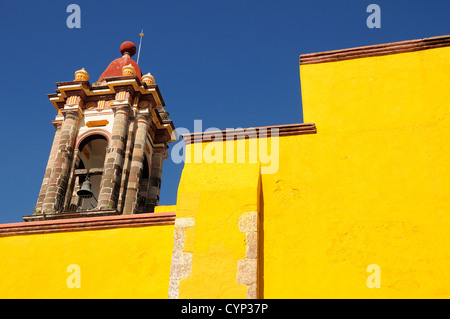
x=128, y=49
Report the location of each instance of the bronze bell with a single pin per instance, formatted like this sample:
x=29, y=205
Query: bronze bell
x=85, y=190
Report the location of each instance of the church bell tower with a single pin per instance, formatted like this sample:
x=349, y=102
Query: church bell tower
x=111, y=138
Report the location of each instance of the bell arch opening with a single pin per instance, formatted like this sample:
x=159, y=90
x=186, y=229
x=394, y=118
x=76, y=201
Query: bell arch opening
x=88, y=172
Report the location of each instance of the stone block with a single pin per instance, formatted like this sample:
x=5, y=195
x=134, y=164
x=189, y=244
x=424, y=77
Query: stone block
x=248, y=222
x=247, y=271
x=183, y=260
x=251, y=250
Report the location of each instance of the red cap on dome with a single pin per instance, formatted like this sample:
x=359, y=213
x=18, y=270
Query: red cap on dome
x=129, y=47
x=115, y=67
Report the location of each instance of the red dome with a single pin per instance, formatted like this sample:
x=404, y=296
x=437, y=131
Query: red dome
x=115, y=67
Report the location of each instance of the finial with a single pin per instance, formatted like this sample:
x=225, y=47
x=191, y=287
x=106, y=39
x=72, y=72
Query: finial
x=164, y=114
x=140, y=43
x=128, y=47
x=148, y=79
x=128, y=70
x=81, y=75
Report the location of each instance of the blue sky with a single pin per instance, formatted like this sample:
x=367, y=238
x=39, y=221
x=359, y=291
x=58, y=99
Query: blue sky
x=228, y=63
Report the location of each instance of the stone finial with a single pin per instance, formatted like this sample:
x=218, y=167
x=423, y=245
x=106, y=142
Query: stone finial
x=128, y=70
x=148, y=79
x=164, y=114
x=81, y=75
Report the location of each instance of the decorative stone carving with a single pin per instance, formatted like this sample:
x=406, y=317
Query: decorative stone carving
x=143, y=104
x=128, y=70
x=81, y=75
x=148, y=79
x=164, y=114
x=90, y=105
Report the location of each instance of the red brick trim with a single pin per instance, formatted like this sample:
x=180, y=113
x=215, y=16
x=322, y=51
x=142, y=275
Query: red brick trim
x=87, y=223
x=375, y=50
x=252, y=132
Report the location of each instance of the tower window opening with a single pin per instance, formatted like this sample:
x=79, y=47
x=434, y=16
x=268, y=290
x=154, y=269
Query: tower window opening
x=91, y=154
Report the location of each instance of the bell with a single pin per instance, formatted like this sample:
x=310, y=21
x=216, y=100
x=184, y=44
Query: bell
x=85, y=190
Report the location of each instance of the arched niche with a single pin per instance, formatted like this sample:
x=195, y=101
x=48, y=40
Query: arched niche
x=92, y=153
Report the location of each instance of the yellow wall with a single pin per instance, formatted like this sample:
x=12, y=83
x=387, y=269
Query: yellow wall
x=216, y=195
x=114, y=263
x=371, y=187
x=165, y=208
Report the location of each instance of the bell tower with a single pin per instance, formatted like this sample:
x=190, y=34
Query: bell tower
x=111, y=138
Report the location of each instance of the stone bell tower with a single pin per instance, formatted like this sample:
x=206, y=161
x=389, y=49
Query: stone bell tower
x=111, y=138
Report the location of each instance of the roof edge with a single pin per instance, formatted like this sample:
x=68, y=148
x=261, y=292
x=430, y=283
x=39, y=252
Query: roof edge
x=87, y=223
x=375, y=50
x=250, y=132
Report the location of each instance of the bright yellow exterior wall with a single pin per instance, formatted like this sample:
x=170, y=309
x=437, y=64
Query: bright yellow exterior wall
x=216, y=195
x=371, y=187
x=114, y=263
x=165, y=208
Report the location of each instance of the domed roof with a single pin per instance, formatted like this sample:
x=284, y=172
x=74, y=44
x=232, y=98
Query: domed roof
x=128, y=49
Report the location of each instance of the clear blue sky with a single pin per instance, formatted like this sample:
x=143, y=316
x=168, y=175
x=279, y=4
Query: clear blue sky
x=229, y=63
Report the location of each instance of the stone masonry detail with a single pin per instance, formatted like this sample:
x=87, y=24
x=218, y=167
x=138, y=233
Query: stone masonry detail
x=137, y=163
x=247, y=268
x=57, y=181
x=110, y=184
x=181, y=260
x=158, y=157
x=48, y=169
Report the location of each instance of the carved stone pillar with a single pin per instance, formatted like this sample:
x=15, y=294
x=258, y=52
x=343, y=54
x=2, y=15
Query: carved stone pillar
x=48, y=169
x=110, y=184
x=57, y=182
x=126, y=166
x=72, y=180
x=137, y=164
x=158, y=157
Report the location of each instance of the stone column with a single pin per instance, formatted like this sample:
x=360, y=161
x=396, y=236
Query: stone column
x=126, y=166
x=71, y=180
x=158, y=157
x=112, y=169
x=57, y=182
x=137, y=164
x=48, y=169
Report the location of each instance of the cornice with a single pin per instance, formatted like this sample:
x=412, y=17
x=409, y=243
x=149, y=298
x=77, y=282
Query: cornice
x=252, y=132
x=112, y=86
x=165, y=125
x=375, y=50
x=87, y=223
